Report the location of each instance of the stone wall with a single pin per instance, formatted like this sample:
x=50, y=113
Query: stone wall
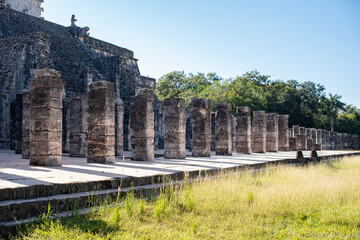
x=31, y=7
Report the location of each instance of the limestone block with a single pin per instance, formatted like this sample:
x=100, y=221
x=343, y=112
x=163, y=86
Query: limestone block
x=243, y=130
x=301, y=141
x=18, y=124
x=293, y=144
x=259, y=132
x=26, y=125
x=119, y=118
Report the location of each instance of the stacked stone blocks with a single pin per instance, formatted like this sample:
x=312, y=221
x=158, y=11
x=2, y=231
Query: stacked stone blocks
x=201, y=127
x=47, y=90
x=243, y=130
x=272, y=132
x=223, y=129
x=283, y=126
x=26, y=125
x=259, y=132
x=101, y=122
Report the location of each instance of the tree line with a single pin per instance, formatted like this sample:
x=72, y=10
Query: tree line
x=306, y=103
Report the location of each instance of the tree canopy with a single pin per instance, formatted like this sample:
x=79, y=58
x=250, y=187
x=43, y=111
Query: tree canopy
x=307, y=103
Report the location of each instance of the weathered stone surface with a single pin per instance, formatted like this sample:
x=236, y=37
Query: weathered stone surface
x=46, y=119
x=309, y=144
x=272, y=132
x=26, y=125
x=174, y=128
x=213, y=135
x=283, y=123
x=201, y=127
x=119, y=119
x=78, y=126
x=301, y=141
x=101, y=123
x=223, y=129
x=142, y=125
x=243, y=130
x=296, y=130
x=18, y=124
x=259, y=132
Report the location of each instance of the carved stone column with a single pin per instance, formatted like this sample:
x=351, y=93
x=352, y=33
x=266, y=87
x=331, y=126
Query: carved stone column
x=283, y=121
x=119, y=118
x=26, y=125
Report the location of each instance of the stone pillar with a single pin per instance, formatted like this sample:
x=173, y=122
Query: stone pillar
x=332, y=140
x=323, y=139
x=78, y=126
x=272, y=132
x=301, y=139
x=327, y=139
x=283, y=123
x=308, y=132
x=296, y=130
x=26, y=126
x=66, y=126
x=18, y=124
x=201, y=127
x=142, y=125
x=243, y=130
x=292, y=144
x=309, y=144
x=174, y=128
x=213, y=137
x=233, y=132
x=47, y=91
x=119, y=119
x=101, y=123
x=338, y=141
x=259, y=132
x=223, y=129
x=188, y=115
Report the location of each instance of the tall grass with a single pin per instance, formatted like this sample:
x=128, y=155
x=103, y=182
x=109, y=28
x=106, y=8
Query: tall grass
x=312, y=202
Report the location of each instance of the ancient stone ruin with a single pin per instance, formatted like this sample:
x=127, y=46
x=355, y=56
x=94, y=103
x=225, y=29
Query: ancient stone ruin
x=259, y=132
x=223, y=129
x=201, y=127
x=243, y=130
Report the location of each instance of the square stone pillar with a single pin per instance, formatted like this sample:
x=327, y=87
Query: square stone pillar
x=175, y=123
x=78, y=126
x=292, y=144
x=101, y=123
x=259, y=132
x=26, y=125
x=18, y=123
x=119, y=129
x=308, y=132
x=309, y=144
x=301, y=139
x=47, y=91
x=283, y=123
x=272, y=132
x=296, y=130
x=223, y=129
x=142, y=125
x=201, y=127
x=213, y=134
x=188, y=135
x=332, y=140
x=243, y=130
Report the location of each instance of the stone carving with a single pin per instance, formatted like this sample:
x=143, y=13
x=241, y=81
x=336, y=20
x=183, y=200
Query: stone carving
x=73, y=21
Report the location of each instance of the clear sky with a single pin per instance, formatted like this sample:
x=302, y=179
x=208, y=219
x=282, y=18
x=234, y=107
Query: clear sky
x=306, y=40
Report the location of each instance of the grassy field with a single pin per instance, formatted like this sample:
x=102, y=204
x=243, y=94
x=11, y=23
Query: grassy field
x=312, y=202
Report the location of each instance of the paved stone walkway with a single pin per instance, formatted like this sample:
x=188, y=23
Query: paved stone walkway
x=16, y=172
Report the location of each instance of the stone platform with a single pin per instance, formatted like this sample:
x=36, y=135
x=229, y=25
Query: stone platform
x=27, y=191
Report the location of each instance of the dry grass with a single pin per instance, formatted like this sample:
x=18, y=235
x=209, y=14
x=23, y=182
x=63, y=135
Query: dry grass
x=313, y=202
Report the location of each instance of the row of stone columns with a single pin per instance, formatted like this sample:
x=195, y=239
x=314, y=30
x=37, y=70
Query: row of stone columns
x=96, y=129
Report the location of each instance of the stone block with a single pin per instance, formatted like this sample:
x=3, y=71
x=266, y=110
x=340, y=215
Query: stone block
x=259, y=132
x=284, y=135
x=201, y=127
x=292, y=144
x=272, y=132
x=223, y=129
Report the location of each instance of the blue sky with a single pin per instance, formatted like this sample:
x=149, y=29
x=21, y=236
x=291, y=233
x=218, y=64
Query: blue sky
x=317, y=40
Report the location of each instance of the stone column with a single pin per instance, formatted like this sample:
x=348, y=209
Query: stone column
x=78, y=126
x=272, y=132
x=327, y=140
x=296, y=130
x=66, y=126
x=223, y=129
x=283, y=123
x=243, y=130
x=188, y=135
x=26, y=125
x=332, y=140
x=174, y=128
x=292, y=144
x=47, y=91
x=259, y=132
x=323, y=139
x=309, y=144
x=301, y=139
x=318, y=139
x=18, y=124
x=201, y=127
x=213, y=137
x=119, y=118
x=142, y=125
x=101, y=123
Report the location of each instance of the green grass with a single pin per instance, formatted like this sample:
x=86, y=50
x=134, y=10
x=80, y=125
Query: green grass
x=313, y=202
